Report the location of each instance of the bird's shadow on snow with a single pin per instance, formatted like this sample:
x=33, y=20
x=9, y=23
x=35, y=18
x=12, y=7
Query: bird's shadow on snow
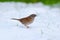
x=19, y=26
x=23, y=27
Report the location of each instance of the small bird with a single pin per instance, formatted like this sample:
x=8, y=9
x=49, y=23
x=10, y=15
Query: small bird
x=27, y=20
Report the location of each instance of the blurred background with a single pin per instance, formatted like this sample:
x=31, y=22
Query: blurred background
x=49, y=2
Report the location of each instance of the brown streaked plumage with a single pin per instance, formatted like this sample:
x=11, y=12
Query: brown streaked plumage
x=27, y=20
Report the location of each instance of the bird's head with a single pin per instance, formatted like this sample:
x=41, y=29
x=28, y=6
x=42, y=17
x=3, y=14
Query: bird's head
x=33, y=15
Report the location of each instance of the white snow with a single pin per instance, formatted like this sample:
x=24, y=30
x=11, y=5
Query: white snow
x=46, y=25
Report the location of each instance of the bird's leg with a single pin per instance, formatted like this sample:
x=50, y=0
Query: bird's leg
x=27, y=26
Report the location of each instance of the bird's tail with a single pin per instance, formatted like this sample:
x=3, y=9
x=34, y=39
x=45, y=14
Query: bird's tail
x=14, y=19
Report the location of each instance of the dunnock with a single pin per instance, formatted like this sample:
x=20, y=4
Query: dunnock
x=27, y=20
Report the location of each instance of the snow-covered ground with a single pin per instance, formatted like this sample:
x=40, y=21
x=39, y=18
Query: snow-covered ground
x=46, y=25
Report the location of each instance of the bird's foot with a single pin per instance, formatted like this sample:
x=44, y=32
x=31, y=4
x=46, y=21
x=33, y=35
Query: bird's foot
x=27, y=26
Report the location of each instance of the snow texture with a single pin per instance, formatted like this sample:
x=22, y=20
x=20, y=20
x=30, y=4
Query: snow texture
x=46, y=25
